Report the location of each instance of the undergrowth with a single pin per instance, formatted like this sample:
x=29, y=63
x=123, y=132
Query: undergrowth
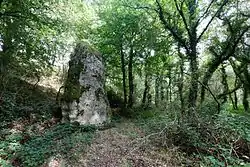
x=65, y=140
x=28, y=135
x=207, y=140
x=20, y=99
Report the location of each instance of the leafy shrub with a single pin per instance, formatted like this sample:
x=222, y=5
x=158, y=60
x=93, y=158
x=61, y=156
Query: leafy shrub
x=67, y=140
x=212, y=140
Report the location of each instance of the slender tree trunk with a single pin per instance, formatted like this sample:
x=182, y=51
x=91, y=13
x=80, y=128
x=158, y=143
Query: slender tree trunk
x=162, y=89
x=181, y=78
x=226, y=87
x=170, y=89
x=246, y=88
x=149, y=100
x=157, y=91
x=235, y=95
x=224, y=83
x=169, y=97
x=130, y=78
x=123, y=68
x=245, y=98
x=146, y=90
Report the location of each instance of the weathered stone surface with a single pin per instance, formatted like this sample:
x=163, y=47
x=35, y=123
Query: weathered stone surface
x=84, y=98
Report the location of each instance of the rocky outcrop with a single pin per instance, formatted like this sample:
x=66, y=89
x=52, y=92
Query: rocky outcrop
x=84, y=99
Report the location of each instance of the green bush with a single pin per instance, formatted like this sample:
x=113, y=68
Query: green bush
x=66, y=140
x=210, y=139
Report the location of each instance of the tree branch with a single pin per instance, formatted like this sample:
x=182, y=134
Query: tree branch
x=230, y=92
x=169, y=28
x=209, y=90
x=11, y=14
x=182, y=16
x=205, y=13
x=211, y=20
x=140, y=7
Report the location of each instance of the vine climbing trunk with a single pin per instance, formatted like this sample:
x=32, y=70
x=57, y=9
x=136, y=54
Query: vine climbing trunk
x=84, y=99
x=181, y=78
x=193, y=88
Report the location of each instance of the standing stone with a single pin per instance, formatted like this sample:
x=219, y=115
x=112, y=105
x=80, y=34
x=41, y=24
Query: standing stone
x=84, y=99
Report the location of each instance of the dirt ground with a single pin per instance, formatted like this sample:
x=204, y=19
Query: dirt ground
x=125, y=146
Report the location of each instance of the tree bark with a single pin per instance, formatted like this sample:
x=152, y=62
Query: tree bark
x=246, y=89
x=157, y=91
x=146, y=90
x=162, y=88
x=181, y=78
x=227, y=52
x=123, y=68
x=193, y=88
x=208, y=75
x=245, y=98
x=130, y=78
x=224, y=83
x=235, y=95
x=170, y=85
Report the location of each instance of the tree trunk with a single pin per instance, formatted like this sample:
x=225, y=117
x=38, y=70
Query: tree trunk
x=235, y=95
x=170, y=89
x=224, y=83
x=246, y=88
x=170, y=86
x=162, y=89
x=157, y=91
x=123, y=68
x=181, y=78
x=193, y=88
x=226, y=88
x=245, y=98
x=130, y=78
x=146, y=90
x=212, y=67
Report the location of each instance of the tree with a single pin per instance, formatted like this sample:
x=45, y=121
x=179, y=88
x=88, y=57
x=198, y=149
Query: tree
x=223, y=50
x=127, y=38
x=185, y=32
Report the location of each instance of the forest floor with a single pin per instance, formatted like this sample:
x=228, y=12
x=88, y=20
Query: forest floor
x=30, y=137
x=126, y=145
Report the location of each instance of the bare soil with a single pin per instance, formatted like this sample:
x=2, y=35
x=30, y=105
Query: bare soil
x=124, y=146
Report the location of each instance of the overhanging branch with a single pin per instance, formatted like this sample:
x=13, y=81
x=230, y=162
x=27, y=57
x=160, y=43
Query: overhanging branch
x=169, y=28
x=182, y=16
x=211, y=20
x=205, y=13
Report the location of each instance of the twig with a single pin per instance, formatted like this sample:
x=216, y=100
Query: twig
x=144, y=139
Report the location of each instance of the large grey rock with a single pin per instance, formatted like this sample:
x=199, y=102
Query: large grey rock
x=84, y=100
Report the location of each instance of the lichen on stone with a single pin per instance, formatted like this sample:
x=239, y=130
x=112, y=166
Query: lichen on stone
x=84, y=87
